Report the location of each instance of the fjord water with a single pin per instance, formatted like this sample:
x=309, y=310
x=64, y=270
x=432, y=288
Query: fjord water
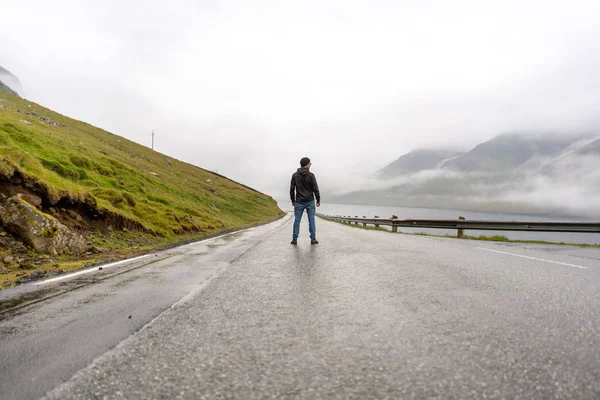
x=433, y=213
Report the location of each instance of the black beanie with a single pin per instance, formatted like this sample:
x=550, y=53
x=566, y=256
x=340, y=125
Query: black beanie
x=304, y=162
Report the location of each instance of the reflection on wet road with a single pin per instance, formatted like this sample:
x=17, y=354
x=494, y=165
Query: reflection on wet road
x=368, y=314
x=52, y=330
x=364, y=314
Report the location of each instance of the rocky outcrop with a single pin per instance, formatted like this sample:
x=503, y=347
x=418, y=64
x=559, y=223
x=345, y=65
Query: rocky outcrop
x=41, y=231
x=31, y=199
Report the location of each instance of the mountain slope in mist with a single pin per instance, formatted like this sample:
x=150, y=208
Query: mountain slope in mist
x=581, y=165
x=510, y=152
x=592, y=148
x=10, y=83
x=416, y=161
x=511, y=172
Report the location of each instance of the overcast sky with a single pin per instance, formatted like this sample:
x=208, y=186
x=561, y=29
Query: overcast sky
x=249, y=87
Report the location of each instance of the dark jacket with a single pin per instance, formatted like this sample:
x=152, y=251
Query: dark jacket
x=303, y=185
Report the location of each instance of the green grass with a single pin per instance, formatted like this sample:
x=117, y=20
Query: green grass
x=82, y=164
x=494, y=238
x=116, y=183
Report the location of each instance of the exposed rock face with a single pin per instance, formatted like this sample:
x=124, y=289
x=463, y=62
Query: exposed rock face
x=41, y=231
x=31, y=199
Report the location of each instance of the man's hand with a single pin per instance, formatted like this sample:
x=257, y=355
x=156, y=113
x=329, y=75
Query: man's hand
x=319, y=204
x=293, y=204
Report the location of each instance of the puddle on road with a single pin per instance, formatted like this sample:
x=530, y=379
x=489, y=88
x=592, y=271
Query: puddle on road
x=9, y=307
x=127, y=281
x=95, y=298
x=200, y=253
x=225, y=239
x=156, y=279
x=188, y=261
x=8, y=330
x=233, y=236
x=153, y=277
x=26, y=299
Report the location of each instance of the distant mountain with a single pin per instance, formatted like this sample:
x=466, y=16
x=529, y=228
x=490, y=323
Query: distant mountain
x=416, y=161
x=511, y=173
x=582, y=163
x=10, y=83
x=592, y=148
x=510, y=152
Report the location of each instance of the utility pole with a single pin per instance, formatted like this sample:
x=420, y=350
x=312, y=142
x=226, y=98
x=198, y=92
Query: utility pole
x=152, y=140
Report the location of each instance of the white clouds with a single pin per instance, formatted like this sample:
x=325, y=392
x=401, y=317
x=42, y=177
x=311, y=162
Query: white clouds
x=250, y=87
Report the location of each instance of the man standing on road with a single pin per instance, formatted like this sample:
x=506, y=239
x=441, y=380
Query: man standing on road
x=303, y=190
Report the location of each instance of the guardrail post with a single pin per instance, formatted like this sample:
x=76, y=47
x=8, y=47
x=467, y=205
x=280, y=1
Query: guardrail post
x=394, y=228
x=461, y=234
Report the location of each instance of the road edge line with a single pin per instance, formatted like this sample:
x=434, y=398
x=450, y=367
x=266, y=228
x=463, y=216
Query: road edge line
x=532, y=258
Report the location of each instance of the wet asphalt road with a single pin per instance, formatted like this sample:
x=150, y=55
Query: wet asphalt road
x=52, y=329
x=364, y=314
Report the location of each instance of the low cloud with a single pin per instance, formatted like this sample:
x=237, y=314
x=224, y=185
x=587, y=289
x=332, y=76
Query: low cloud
x=249, y=88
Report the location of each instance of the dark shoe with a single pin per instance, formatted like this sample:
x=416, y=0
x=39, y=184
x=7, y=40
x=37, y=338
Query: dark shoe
x=294, y=241
x=314, y=241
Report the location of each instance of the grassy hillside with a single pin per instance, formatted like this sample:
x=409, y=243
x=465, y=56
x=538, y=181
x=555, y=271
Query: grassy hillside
x=94, y=180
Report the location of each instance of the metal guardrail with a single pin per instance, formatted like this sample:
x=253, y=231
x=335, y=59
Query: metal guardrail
x=461, y=224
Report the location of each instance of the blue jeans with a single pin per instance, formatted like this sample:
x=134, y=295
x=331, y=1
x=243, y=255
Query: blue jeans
x=298, y=212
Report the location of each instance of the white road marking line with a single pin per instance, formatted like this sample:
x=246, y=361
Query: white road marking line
x=206, y=241
x=87, y=271
x=533, y=258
